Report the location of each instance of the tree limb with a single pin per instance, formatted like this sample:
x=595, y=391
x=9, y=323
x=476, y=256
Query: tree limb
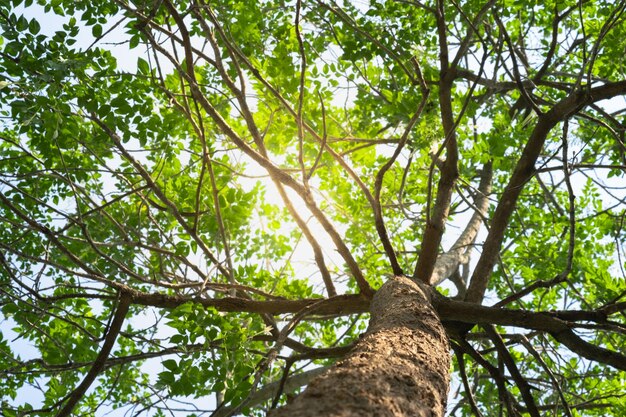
x=100, y=362
x=524, y=170
x=448, y=262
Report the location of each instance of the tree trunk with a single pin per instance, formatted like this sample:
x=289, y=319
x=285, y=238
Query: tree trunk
x=400, y=367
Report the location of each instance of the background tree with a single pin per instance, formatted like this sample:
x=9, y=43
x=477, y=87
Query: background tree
x=200, y=200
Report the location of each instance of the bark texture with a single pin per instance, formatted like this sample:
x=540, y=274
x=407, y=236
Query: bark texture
x=400, y=367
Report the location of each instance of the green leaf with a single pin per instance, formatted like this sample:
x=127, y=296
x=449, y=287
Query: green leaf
x=134, y=41
x=34, y=27
x=142, y=66
x=170, y=364
x=96, y=31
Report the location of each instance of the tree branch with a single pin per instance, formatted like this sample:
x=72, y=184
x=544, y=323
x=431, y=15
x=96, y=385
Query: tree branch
x=464, y=312
x=449, y=172
x=100, y=362
x=269, y=390
x=509, y=362
x=524, y=170
x=448, y=262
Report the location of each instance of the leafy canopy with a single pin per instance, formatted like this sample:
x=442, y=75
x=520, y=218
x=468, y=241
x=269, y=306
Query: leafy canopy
x=206, y=169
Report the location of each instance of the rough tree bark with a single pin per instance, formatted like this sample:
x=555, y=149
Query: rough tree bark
x=399, y=367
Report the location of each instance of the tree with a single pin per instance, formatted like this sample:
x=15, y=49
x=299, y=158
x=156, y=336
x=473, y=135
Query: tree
x=207, y=206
